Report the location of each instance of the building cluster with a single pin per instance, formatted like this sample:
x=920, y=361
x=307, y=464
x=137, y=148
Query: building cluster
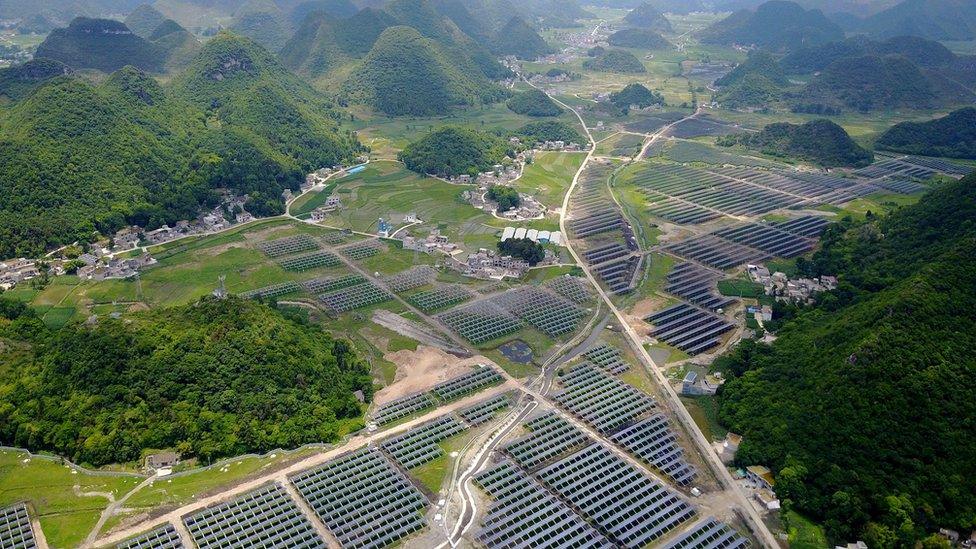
x=433, y=242
x=489, y=264
x=780, y=286
x=695, y=385
x=332, y=204
x=101, y=267
x=535, y=235
x=14, y=271
x=558, y=146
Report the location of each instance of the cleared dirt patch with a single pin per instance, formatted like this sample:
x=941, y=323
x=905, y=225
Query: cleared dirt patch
x=422, y=369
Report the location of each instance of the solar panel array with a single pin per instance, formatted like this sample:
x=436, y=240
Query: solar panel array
x=481, y=321
x=363, y=499
x=164, y=537
x=573, y=288
x=402, y=407
x=288, y=245
x=468, y=383
x=809, y=226
x=354, y=297
x=550, y=436
x=632, y=508
x=330, y=284
x=362, y=250
x=549, y=313
x=767, y=239
x=275, y=290
x=689, y=328
x=310, y=261
x=653, y=441
x=525, y=514
x=716, y=252
x=602, y=401
x=266, y=517
x=15, y=528
x=697, y=285
x=419, y=445
x=709, y=534
x=440, y=297
x=911, y=167
x=483, y=411
x=608, y=358
x=414, y=277
x=609, y=239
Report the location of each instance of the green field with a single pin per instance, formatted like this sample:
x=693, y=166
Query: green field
x=740, y=288
x=704, y=410
x=57, y=494
x=804, y=533
x=548, y=177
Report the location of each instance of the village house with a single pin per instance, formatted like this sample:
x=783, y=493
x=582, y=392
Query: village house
x=761, y=476
x=162, y=460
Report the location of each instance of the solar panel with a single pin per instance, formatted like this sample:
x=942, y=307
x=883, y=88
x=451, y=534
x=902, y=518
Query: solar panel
x=164, y=537
x=15, y=528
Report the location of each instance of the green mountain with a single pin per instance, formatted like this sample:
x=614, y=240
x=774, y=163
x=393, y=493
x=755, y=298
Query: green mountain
x=756, y=82
x=639, y=38
x=518, y=38
x=453, y=150
x=459, y=14
x=776, y=25
x=550, y=130
x=924, y=53
x=19, y=80
x=101, y=44
x=678, y=7
x=647, y=16
x=407, y=74
x=621, y=61
x=144, y=19
x=636, y=95
x=340, y=9
x=263, y=22
x=141, y=153
x=554, y=13
x=932, y=19
x=855, y=406
x=953, y=135
x=873, y=82
x=533, y=103
x=196, y=378
x=179, y=45
x=819, y=141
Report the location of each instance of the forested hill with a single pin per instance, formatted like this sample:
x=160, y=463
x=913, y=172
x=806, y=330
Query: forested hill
x=953, y=135
x=77, y=157
x=213, y=379
x=862, y=405
x=819, y=141
x=776, y=25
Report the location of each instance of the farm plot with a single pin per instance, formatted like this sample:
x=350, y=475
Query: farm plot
x=480, y=412
x=15, y=528
x=419, y=445
x=689, y=328
x=571, y=287
x=440, y=297
x=608, y=358
x=697, y=285
x=288, y=245
x=551, y=314
x=252, y=519
x=550, y=436
x=481, y=322
x=600, y=400
x=310, y=261
x=275, y=290
x=363, y=499
x=460, y=386
x=653, y=441
x=401, y=408
x=525, y=514
x=632, y=507
x=354, y=297
x=709, y=533
x=164, y=537
x=414, y=277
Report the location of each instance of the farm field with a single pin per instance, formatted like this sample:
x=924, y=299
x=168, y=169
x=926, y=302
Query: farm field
x=549, y=175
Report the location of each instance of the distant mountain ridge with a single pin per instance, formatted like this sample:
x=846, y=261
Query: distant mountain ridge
x=953, y=135
x=777, y=25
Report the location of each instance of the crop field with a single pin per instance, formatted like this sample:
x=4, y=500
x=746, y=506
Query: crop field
x=549, y=176
x=622, y=144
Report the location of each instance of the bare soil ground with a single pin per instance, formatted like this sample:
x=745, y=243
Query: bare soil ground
x=422, y=369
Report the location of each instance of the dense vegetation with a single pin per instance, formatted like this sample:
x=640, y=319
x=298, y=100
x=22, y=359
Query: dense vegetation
x=144, y=20
x=102, y=44
x=518, y=38
x=872, y=82
x=533, y=103
x=635, y=95
x=507, y=198
x=639, y=38
x=776, y=25
x=217, y=378
x=647, y=16
x=924, y=53
x=756, y=82
x=856, y=406
x=820, y=141
x=615, y=61
x=550, y=130
x=76, y=158
x=263, y=22
x=523, y=248
x=452, y=151
x=953, y=135
x=19, y=80
x=932, y=19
